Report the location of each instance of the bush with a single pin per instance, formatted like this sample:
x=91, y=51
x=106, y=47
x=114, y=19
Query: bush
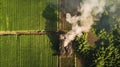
x=105, y=53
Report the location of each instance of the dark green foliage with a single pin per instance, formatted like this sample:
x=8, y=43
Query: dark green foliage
x=50, y=15
x=116, y=33
x=84, y=50
x=105, y=53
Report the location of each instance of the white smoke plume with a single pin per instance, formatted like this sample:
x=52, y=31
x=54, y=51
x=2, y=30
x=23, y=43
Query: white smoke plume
x=89, y=9
x=112, y=6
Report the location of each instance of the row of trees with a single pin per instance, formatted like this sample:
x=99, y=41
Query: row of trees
x=106, y=51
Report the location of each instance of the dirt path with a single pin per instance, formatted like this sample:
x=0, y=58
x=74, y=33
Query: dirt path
x=28, y=32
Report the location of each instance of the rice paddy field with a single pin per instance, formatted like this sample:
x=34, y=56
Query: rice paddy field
x=27, y=50
x=25, y=14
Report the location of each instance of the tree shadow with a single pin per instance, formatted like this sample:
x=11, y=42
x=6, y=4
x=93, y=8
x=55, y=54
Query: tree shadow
x=50, y=14
x=102, y=42
x=105, y=23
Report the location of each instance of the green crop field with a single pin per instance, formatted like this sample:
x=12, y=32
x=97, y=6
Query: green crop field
x=27, y=50
x=25, y=14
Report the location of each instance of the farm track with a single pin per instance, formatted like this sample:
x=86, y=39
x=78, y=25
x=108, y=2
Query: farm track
x=28, y=32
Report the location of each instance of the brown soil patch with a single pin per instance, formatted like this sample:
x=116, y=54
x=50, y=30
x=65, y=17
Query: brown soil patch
x=65, y=61
x=78, y=63
x=92, y=38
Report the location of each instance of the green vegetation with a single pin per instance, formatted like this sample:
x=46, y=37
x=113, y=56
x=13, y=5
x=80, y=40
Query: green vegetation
x=24, y=14
x=28, y=50
x=106, y=51
x=38, y=50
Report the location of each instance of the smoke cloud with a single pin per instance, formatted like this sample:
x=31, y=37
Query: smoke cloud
x=88, y=10
x=112, y=6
